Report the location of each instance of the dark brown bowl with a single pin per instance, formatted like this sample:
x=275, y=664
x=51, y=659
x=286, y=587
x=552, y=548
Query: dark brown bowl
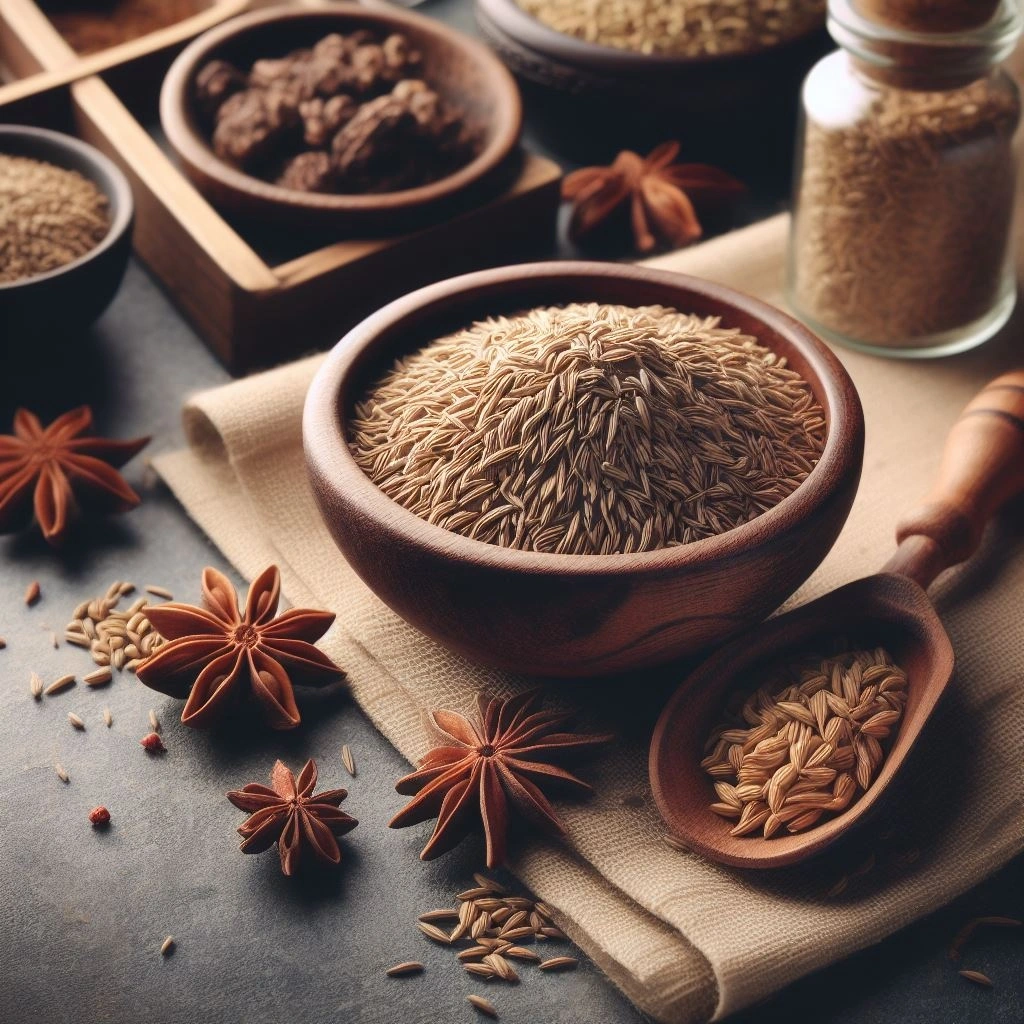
x=588, y=101
x=575, y=615
x=462, y=71
x=71, y=297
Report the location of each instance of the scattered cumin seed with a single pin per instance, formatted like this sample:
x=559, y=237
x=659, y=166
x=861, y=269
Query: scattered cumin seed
x=76, y=721
x=435, y=933
x=108, y=718
x=32, y=593
x=433, y=916
x=348, y=760
x=559, y=963
x=168, y=945
x=480, y=970
x=522, y=953
x=400, y=970
x=59, y=684
x=154, y=722
x=977, y=977
x=840, y=887
x=152, y=588
x=62, y=772
x=3, y=643
x=474, y=894
x=483, y=882
x=98, y=677
x=485, y=1006
x=35, y=685
x=963, y=936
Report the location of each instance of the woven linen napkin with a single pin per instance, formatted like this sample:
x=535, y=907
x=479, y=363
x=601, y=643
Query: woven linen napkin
x=684, y=939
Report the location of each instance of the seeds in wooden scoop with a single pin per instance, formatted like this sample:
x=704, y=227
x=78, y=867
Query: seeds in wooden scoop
x=793, y=755
x=589, y=429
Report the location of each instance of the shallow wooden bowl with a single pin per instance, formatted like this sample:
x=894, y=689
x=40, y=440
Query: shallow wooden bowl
x=462, y=71
x=575, y=615
x=71, y=297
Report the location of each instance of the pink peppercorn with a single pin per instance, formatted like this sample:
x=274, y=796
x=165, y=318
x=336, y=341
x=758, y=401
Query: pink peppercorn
x=99, y=816
x=152, y=742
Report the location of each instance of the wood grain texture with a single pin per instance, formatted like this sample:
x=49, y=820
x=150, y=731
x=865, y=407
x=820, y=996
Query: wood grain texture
x=463, y=71
x=48, y=50
x=982, y=468
x=577, y=615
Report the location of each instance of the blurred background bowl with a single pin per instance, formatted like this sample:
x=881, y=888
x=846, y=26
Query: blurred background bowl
x=588, y=101
x=71, y=297
x=575, y=615
x=460, y=69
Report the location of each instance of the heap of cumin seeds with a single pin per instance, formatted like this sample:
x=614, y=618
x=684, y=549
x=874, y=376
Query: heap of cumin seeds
x=589, y=429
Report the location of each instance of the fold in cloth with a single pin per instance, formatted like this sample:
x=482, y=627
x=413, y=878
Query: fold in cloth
x=686, y=940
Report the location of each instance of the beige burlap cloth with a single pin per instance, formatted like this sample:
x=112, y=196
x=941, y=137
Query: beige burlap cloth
x=684, y=939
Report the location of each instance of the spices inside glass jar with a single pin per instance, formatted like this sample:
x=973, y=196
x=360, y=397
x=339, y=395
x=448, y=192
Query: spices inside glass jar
x=49, y=217
x=905, y=193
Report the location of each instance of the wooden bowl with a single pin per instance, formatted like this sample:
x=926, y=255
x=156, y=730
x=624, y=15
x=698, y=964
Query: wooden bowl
x=462, y=71
x=589, y=100
x=575, y=615
x=73, y=296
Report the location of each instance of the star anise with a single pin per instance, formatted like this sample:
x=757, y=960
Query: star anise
x=658, y=194
x=59, y=471
x=290, y=814
x=493, y=767
x=217, y=653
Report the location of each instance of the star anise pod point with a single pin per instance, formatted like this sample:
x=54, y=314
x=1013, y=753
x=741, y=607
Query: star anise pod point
x=494, y=766
x=660, y=195
x=290, y=814
x=54, y=473
x=216, y=652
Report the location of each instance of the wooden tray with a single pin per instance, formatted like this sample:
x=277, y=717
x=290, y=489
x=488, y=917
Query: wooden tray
x=254, y=300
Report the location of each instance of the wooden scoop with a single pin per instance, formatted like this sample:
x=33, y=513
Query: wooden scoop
x=982, y=468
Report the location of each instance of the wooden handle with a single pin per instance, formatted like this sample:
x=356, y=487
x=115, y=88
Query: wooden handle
x=982, y=468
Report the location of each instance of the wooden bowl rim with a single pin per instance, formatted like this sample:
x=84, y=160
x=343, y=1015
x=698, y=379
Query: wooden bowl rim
x=108, y=179
x=332, y=464
x=571, y=51
x=883, y=597
x=194, y=148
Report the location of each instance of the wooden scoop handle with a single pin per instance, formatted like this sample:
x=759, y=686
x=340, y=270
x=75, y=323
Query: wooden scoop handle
x=982, y=468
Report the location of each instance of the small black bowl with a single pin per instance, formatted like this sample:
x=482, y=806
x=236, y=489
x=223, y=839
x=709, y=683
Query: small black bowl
x=73, y=296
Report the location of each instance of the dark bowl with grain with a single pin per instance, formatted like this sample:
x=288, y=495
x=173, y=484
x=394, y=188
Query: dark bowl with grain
x=588, y=101
x=69, y=298
x=462, y=71
x=575, y=615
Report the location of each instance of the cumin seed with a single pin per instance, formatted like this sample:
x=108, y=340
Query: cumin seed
x=409, y=967
x=485, y=1006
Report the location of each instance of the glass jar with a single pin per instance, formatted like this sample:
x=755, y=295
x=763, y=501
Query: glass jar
x=905, y=186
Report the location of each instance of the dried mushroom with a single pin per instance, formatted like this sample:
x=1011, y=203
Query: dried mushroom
x=349, y=114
